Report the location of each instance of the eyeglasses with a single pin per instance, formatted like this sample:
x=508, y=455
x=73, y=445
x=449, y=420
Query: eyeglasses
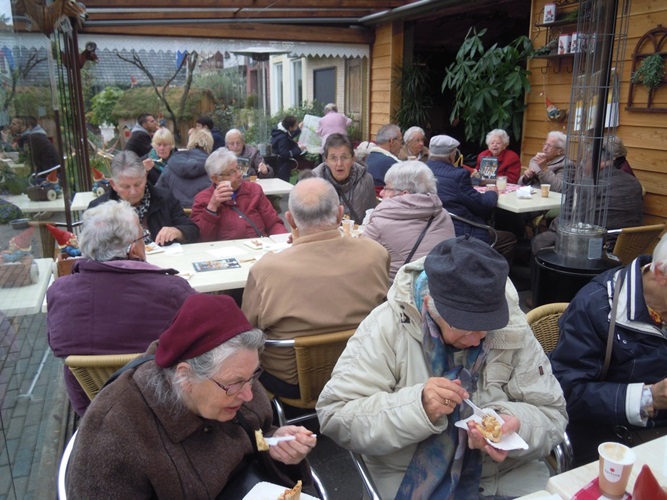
x=336, y=159
x=550, y=146
x=394, y=190
x=230, y=172
x=235, y=388
x=146, y=236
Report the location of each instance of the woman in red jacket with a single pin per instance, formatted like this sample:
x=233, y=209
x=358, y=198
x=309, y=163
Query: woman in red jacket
x=507, y=162
x=231, y=208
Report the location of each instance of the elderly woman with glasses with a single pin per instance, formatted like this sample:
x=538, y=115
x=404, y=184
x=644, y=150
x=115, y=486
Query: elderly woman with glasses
x=546, y=167
x=414, y=148
x=231, y=208
x=158, y=210
x=352, y=182
x=182, y=423
x=114, y=301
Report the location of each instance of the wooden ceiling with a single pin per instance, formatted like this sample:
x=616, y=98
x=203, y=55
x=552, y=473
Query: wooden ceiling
x=297, y=20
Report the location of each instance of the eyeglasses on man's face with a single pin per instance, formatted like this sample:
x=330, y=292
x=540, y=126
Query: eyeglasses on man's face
x=235, y=388
x=546, y=145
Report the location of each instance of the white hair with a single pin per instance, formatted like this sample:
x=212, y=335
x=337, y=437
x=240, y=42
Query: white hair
x=218, y=161
x=660, y=256
x=498, y=132
x=411, y=176
x=559, y=136
x=107, y=231
x=413, y=131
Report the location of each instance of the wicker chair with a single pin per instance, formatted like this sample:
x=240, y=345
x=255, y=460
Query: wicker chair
x=92, y=371
x=543, y=320
x=316, y=355
x=635, y=241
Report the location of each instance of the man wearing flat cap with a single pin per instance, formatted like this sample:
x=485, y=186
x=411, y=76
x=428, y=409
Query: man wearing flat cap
x=398, y=388
x=460, y=198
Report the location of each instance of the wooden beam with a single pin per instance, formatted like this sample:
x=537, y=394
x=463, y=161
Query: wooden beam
x=245, y=31
x=376, y=5
x=96, y=15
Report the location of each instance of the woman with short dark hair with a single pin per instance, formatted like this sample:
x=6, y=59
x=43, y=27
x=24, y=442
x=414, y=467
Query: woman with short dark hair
x=285, y=146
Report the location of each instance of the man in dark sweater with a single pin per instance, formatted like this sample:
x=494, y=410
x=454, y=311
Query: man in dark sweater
x=140, y=140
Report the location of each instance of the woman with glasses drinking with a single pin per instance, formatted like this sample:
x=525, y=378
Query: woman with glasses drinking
x=182, y=424
x=352, y=182
x=231, y=208
x=546, y=167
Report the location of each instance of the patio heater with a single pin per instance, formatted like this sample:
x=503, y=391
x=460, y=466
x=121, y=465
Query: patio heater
x=602, y=28
x=261, y=56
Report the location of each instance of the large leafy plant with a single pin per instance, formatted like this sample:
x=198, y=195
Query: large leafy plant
x=413, y=80
x=489, y=85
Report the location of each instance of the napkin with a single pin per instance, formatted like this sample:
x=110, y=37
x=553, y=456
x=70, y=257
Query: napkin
x=524, y=192
x=592, y=492
x=508, y=442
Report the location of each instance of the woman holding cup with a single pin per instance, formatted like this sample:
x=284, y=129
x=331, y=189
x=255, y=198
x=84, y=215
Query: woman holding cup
x=232, y=208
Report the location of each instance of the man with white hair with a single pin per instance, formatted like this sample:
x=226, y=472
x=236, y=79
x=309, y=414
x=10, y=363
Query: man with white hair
x=114, y=301
x=628, y=399
x=323, y=283
x=247, y=155
x=389, y=140
x=546, y=167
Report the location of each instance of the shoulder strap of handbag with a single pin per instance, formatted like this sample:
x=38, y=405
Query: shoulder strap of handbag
x=347, y=203
x=612, y=325
x=419, y=240
x=252, y=224
x=140, y=360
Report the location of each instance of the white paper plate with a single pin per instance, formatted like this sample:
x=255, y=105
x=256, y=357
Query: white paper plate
x=270, y=491
x=508, y=442
x=152, y=248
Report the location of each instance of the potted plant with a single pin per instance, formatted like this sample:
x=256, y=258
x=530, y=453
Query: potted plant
x=650, y=73
x=413, y=80
x=489, y=85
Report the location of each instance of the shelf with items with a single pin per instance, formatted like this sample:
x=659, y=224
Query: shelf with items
x=558, y=35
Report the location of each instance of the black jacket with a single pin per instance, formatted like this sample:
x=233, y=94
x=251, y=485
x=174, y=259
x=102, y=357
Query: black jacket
x=139, y=142
x=165, y=210
x=284, y=145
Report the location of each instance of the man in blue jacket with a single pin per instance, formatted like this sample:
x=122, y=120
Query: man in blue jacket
x=460, y=198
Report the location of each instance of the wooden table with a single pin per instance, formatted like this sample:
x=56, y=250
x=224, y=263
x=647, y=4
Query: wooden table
x=213, y=281
x=653, y=454
x=275, y=186
x=23, y=300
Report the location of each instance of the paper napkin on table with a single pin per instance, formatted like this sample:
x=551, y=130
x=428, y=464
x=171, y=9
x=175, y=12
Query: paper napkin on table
x=524, y=192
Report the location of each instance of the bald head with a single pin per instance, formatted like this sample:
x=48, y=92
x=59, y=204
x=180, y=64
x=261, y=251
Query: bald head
x=314, y=206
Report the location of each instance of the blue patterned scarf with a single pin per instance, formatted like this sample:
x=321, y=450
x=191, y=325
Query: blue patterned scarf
x=443, y=467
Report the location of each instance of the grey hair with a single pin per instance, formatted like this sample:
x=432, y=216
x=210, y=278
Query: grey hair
x=218, y=161
x=615, y=146
x=411, y=132
x=233, y=131
x=167, y=383
x=330, y=107
x=107, y=231
x=201, y=139
x=498, y=132
x=387, y=133
x=310, y=211
x=127, y=164
x=559, y=136
x=412, y=176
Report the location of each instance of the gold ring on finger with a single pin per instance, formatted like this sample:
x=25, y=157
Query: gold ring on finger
x=447, y=401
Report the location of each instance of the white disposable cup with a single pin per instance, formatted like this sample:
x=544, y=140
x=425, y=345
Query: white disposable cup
x=545, y=190
x=501, y=183
x=348, y=226
x=616, y=461
x=225, y=183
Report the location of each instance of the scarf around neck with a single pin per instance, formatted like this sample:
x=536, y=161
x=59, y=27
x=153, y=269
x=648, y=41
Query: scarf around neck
x=443, y=467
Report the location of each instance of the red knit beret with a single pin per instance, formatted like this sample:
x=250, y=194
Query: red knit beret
x=202, y=323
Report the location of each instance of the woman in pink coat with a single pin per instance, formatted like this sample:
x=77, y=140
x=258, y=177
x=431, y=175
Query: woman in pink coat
x=410, y=205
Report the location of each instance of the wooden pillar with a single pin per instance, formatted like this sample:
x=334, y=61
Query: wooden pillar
x=386, y=58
